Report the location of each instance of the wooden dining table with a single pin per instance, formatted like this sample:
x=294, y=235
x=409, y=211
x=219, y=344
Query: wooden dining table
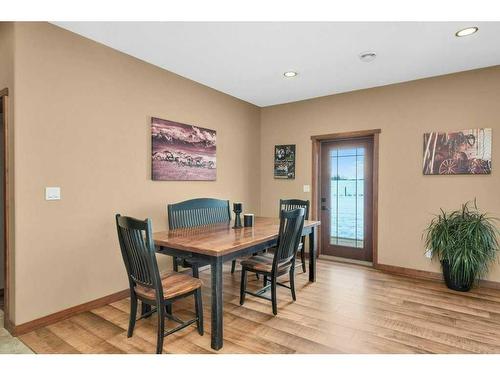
x=218, y=243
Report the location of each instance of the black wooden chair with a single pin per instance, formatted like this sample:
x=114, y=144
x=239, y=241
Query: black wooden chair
x=146, y=284
x=281, y=263
x=195, y=213
x=291, y=204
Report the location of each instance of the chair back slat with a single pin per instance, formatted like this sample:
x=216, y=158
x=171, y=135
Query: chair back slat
x=292, y=204
x=198, y=212
x=290, y=232
x=138, y=252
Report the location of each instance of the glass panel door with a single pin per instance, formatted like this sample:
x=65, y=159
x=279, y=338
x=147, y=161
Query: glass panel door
x=346, y=184
x=347, y=196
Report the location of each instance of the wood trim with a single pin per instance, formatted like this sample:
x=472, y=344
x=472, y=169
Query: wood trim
x=314, y=186
x=6, y=212
x=67, y=313
x=489, y=284
x=315, y=160
x=427, y=275
x=375, y=162
x=315, y=180
x=345, y=135
x=410, y=272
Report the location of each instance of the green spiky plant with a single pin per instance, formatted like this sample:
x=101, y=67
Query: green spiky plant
x=465, y=241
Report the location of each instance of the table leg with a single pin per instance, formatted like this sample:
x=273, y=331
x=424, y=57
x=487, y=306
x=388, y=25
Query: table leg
x=312, y=254
x=217, y=311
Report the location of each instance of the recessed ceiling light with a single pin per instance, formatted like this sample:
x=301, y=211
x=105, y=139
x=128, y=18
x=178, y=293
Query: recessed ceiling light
x=367, y=56
x=290, y=74
x=467, y=31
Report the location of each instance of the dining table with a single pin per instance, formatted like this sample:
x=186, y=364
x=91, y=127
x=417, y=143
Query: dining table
x=218, y=243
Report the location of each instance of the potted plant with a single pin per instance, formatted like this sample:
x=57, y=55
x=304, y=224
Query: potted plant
x=466, y=243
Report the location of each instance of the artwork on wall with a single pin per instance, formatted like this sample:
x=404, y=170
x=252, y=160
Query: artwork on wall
x=182, y=152
x=459, y=152
x=284, y=161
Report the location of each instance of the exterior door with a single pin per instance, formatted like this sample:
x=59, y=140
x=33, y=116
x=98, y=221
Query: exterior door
x=346, y=191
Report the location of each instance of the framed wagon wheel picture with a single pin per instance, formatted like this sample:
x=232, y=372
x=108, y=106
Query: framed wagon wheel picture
x=458, y=152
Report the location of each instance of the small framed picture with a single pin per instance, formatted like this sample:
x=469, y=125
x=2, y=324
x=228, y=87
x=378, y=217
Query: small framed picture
x=284, y=162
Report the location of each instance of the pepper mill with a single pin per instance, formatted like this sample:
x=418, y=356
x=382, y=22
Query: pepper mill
x=237, y=209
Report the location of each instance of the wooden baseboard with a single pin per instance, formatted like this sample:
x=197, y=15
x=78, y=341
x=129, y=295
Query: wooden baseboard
x=67, y=313
x=428, y=275
x=410, y=272
x=489, y=284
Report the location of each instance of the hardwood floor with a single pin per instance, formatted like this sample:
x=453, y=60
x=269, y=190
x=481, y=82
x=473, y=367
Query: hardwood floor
x=350, y=309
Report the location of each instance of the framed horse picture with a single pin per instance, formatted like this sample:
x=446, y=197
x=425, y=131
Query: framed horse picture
x=459, y=152
x=182, y=152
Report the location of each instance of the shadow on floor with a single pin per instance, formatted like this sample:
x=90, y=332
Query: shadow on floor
x=9, y=344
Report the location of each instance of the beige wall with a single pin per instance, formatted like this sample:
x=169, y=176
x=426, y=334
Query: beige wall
x=82, y=115
x=407, y=199
x=83, y=123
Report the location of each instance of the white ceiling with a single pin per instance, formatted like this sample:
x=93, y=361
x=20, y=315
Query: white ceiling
x=247, y=59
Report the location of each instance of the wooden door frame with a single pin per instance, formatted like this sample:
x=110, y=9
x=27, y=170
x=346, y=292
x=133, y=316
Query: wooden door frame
x=4, y=96
x=316, y=175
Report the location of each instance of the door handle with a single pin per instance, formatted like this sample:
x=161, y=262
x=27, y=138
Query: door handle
x=323, y=208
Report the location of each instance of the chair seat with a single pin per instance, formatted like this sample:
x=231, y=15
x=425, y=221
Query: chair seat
x=174, y=284
x=262, y=263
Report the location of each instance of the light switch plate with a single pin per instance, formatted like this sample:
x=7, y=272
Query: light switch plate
x=307, y=188
x=52, y=193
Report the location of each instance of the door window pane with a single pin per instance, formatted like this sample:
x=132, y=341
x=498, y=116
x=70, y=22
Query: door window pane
x=347, y=197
